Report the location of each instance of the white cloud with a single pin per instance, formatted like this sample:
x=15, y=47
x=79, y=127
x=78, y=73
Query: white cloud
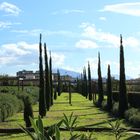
x=5, y=24
x=6, y=59
x=132, y=9
x=106, y=38
x=68, y=11
x=85, y=44
x=57, y=59
x=10, y=9
x=102, y=18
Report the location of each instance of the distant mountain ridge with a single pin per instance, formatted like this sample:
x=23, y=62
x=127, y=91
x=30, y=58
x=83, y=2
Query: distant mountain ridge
x=67, y=72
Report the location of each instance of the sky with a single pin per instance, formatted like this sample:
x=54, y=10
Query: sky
x=74, y=31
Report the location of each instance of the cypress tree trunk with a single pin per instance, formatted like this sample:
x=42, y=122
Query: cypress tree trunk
x=123, y=103
x=42, y=103
x=47, y=79
x=89, y=83
x=51, y=84
x=100, y=84
x=109, y=90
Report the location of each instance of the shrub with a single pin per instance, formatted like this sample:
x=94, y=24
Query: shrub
x=132, y=115
x=104, y=105
x=115, y=109
x=9, y=104
x=130, y=112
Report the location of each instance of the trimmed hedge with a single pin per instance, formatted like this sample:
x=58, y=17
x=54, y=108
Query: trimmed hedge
x=9, y=104
x=133, y=98
x=132, y=115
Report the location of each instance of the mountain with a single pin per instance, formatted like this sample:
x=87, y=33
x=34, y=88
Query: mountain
x=67, y=72
x=117, y=77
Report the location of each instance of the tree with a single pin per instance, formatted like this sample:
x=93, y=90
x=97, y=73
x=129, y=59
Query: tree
x=28, y=111
x=59, y=83
x=85, y=88
x=42, y=103
x=51, y=83
x=123, y=103
x=47, y=79
x=55, y=93
x=100, y=83
x=109, y=90
x=89, y=83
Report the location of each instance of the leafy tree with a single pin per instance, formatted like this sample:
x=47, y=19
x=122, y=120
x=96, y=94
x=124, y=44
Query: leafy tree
x=47, y=79
x=123, y=103
x=100, y=84
x=28, y=111
x=51, y=83
x=109, y=90
x=89, y=83
x=42, y=103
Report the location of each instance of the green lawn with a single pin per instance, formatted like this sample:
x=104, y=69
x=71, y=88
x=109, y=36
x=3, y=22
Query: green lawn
x=87, y=114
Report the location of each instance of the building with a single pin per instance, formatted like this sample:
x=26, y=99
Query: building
x=26, y=74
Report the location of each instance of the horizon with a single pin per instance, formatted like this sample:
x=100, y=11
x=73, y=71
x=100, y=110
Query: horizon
x=74, y=31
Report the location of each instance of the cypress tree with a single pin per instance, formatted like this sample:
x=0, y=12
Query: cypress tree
x=100, y=83
x=123, y=103
x=42, y=104
x=47, y=79
x=59, y=83
x=85, y=87
x=28, y=111
x=89, y=83
x=51, y=82
x=109, y=90
x=55, y=93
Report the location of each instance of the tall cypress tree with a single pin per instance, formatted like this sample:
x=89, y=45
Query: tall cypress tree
x=89, y=83
x=42, y=103
x=59, y=83
x=123, y=103
x=100, y=83
x=47, y=79
x=51, y=82
x=109, y=90
x=85, y=87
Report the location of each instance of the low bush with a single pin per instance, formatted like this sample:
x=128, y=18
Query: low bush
x=115, y=109
x=104, y=105
x=9, y=104
x=132, y=115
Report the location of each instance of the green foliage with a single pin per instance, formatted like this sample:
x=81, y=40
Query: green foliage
x=28, y=111
x=117, y=130
x=115, y=109
x=123, y=103
x=42, y=100
x=132, y=115
x=9, y=104
x=100, y=84
x=47, y=80
x=40, y=133
x=89, y=83
x=109, y=90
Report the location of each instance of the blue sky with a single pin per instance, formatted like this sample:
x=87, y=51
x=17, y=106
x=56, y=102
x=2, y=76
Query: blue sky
x=74, y=30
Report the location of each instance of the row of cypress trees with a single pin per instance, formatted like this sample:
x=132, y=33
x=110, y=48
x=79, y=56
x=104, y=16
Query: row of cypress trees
x=85, y=85
x=45, y=84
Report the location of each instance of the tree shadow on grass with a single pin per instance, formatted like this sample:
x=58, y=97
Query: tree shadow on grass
x=96, y=124
x=72, y=109
x=135, y=137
